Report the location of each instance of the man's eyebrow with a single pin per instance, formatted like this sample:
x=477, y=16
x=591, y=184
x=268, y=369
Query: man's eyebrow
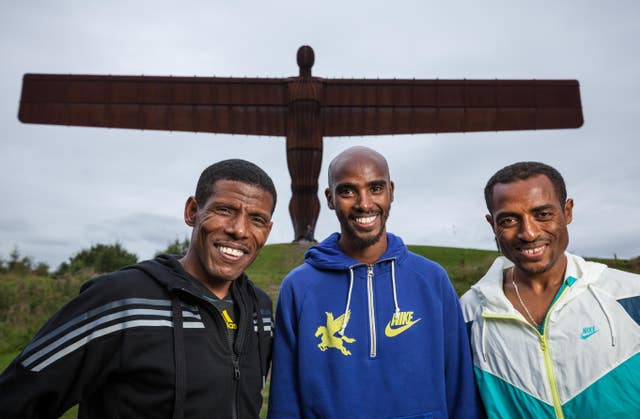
x=543, y=207
x=515, y=214
x=343, y=185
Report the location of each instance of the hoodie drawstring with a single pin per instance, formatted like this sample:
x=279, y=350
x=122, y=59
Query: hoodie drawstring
x=396, y=313
x=346, y=310
x=178, y=358
x=606, y=314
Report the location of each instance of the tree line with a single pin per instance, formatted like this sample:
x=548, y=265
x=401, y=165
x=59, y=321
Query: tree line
x=99, y=258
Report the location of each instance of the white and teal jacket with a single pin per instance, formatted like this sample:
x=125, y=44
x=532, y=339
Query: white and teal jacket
x=584, y=362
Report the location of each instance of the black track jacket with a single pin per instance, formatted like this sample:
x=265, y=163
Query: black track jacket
x=143, y=342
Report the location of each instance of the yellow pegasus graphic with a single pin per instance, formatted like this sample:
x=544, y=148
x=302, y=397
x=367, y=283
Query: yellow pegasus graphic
x=328, y=332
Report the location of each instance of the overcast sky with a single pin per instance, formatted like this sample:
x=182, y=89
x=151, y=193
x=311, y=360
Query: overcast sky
x=63, y=189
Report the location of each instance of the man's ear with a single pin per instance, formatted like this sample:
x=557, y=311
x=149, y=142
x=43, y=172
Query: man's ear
x=329, y=195
x=190, y=211
x=489, y=219
x=392, y=188
x=568, y=211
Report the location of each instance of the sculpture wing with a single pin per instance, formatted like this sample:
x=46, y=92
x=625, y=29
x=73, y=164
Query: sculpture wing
x=381, y=107
x=200, y=104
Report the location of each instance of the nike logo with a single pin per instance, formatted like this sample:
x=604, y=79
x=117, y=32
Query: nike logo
x=400, y=324
x=588, y=332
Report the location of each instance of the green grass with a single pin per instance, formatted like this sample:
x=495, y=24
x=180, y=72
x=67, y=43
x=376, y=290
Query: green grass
x=26, y=302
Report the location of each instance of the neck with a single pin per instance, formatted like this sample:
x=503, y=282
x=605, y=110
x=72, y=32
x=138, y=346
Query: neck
x=368, y=254
x=540, y=282
x=218, y=288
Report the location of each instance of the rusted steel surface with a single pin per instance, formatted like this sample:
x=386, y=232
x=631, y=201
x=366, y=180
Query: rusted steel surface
x=200, y=104
x=304, y=109
x=261, y=106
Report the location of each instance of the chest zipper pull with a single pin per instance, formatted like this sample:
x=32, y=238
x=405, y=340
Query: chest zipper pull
x=236, y=369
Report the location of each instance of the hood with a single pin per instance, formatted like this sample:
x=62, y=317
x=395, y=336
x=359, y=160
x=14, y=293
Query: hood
x=168, y=271
x=327, y=255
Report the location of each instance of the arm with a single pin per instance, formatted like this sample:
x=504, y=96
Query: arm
x=58, y=368
x=284, y=396
x=462, y=397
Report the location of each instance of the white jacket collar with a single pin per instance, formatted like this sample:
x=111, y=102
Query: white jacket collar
x=490, y=287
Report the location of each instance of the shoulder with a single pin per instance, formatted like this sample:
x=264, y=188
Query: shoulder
x=424, y=266
x=263, y=298
x=619, y=283
x=127, y=282
x=303, y=282
x=470, y=304
x=304, y=276
x=614, y=281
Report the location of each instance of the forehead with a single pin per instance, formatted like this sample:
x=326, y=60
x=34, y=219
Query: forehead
x=532, y=192
x=241, y=194
x=359, y=171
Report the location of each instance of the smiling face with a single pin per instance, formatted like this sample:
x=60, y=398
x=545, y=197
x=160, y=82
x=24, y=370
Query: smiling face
x=228, y=232
x=530, y=224
x=361, y=193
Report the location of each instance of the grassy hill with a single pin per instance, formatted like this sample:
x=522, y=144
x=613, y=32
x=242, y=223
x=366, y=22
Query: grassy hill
x=27, y=301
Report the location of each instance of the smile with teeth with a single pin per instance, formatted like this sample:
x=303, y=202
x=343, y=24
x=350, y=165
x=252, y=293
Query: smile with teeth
x=230, y=251
x=366, y=220
x=532, y=252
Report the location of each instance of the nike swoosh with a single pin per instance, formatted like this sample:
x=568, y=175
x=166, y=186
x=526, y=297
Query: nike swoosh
x=391, y=332
x=588, y=334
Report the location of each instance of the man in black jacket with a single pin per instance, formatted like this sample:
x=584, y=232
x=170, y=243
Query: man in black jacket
x=168, y=337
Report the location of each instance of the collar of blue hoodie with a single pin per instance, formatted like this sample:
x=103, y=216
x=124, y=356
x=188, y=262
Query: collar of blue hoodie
x=328, y=256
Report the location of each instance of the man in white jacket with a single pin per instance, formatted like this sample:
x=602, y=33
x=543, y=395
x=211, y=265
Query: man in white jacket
x=552, y=335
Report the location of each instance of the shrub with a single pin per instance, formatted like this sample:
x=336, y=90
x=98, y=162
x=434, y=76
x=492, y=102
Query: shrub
x=100, y=258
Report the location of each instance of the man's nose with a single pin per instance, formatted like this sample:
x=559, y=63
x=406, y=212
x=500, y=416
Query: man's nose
x=365, y=201
x=529, y=229
x=237, y=226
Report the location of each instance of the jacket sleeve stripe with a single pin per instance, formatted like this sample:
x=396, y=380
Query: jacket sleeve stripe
x=96, y=311
x=96, y=334
x=95, y=329
x=266, y=322
x=105, y=331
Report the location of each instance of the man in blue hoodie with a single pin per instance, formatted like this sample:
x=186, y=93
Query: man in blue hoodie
x=365, y=328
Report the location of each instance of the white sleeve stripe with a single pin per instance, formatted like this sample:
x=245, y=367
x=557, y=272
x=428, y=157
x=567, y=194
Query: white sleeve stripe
x=95, y=312
x=107, y=330
x=266, y=328
x=94, y=324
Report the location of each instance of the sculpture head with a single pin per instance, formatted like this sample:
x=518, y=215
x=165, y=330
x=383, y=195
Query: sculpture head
x=305, y=60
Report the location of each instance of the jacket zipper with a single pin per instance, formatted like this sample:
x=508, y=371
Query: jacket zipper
x=235, y=359
x=551, y=377
x=546, y=353
x=239, y=343
x=236, y=381
x=372, y=312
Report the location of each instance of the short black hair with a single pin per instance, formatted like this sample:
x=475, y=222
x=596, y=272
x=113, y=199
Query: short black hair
x=236, y=170
x=521, y=171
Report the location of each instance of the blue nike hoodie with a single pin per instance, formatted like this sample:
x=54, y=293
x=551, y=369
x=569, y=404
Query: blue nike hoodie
x=385, y=340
